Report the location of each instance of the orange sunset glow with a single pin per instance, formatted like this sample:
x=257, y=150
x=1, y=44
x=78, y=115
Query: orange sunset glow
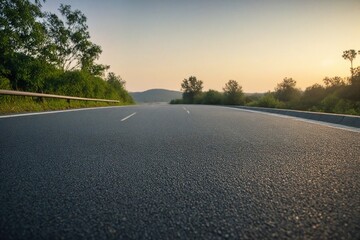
x=156, y=44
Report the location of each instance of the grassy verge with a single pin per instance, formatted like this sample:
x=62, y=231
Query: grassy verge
x=16, y=104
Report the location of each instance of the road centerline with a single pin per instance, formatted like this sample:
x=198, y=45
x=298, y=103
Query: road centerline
x=186, y=110
x=126, y=118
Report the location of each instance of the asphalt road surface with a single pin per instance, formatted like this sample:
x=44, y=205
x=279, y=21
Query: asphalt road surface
x=177, y=172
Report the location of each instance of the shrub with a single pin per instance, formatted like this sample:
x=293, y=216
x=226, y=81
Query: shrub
x=212, y=97
x=267, y=100
x=176, y=101
x=5, y=83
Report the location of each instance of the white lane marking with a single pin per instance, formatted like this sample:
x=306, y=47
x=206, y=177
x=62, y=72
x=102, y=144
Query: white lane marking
x=186, y=110
x=128, y=117
x=59, y=111
x=326, y=124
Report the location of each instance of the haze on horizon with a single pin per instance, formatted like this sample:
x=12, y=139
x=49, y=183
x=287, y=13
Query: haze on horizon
x=158, y=43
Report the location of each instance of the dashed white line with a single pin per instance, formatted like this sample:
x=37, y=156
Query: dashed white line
x=186, y=110
x=125, y=118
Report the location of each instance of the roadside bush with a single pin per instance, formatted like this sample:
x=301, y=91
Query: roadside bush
x=198, y=98
x=329, y=103
x=267, y=100
x=212, y=97
x=312, y=97
x=233, y=93
x=5, y=83
x=176, y=101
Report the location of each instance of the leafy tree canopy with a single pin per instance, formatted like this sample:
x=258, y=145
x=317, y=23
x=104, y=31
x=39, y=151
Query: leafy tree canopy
x=350, y=55
x=20, y=29
x=44, y=52
x=69, y=46
x=233, y=93
x=191, y=87
x=286, y=91
x=334, y=81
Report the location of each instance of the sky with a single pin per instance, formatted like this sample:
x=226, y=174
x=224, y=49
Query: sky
x=158, y=43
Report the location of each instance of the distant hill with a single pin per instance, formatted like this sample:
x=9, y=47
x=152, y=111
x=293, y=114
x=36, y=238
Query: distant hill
x=155, y=95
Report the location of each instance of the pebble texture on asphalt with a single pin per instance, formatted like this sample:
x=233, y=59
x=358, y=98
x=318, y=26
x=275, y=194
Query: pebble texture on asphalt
x=216, y=173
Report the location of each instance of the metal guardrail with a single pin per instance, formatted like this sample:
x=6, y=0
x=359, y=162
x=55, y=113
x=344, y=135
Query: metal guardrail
x=31, y=94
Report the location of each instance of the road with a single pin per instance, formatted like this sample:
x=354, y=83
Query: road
x=177, y=172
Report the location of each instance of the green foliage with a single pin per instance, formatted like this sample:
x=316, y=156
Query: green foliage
x=76, y=83
x=233, y=94
x=191, y=88
x=69, y=46
x=27, y=73
x=12, y=104
x=212, y=97
x=116, y=88
x=312, y=97
x=333, y=82
x=352, y=91
x=176, y=101
x=267, y=100
x=192, y=93
x=286, y=91
x=5, y=83
x=339, y=95
x=41, y=52
x=329, y=103
x=20, y=29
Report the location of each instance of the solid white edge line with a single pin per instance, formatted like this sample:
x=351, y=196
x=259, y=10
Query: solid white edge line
x=59, y=111
x=125, y=118
x=326, y=124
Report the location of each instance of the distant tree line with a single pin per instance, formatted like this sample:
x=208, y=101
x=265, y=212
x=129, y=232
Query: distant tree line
x=336, y=95
x=193, y=94
x=49, y=53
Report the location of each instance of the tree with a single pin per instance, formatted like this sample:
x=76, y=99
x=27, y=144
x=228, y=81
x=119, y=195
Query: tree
x=20, y=30
x=356, y=71
x=69, y=46
x=28, y=73
x=334, y=86
x=22, y=36
x=117, y=88
x=191, y=87
x=350, y=55
x=333, y=82
x=312, y=97
x=22, y=40
x=352, y=91
x=233, y=94
x=286, y=91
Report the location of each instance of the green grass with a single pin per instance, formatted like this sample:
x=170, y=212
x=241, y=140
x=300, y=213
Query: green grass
x=16, y=104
